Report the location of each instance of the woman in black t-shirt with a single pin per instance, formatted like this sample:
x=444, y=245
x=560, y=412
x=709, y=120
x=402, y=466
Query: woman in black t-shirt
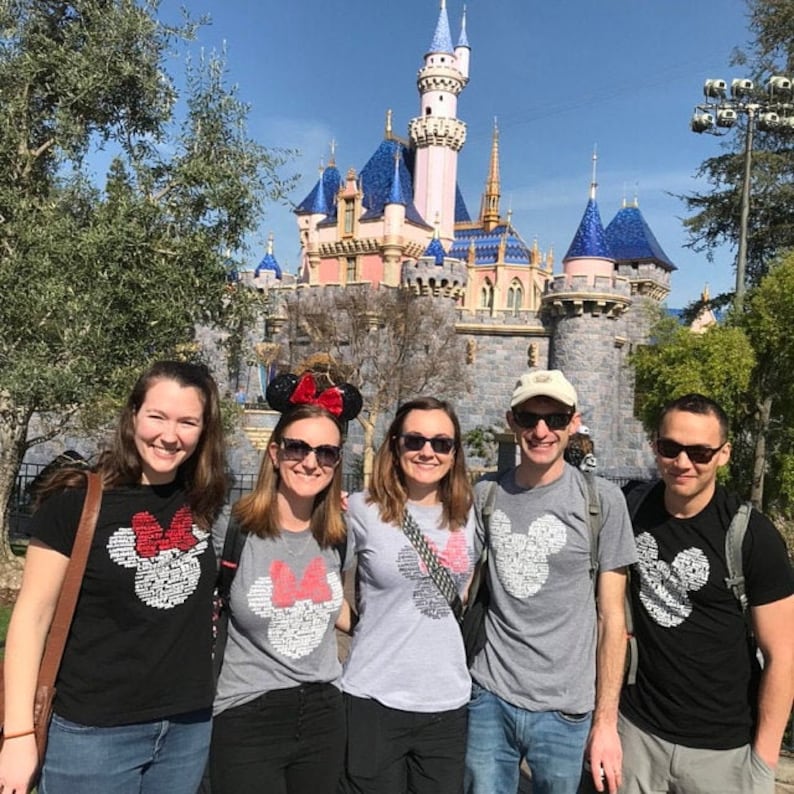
x=134, y=690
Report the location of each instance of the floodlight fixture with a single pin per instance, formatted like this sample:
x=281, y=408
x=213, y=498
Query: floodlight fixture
x=726, y=117
x=741, y=87
x=702, y=121
x=779, y=85
x=768, y=121
x=715, y=89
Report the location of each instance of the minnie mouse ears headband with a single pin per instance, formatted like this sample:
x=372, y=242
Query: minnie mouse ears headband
x=286, y=391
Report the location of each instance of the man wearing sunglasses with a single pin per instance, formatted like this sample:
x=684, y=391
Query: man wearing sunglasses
x=703, y=716
x=534, y=694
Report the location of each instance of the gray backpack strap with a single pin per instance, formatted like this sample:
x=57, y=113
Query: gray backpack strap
x=734, y=538
x=487, y=512
x=594, y=519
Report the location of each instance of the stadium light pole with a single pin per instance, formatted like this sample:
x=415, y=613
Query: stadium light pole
x=770, y=111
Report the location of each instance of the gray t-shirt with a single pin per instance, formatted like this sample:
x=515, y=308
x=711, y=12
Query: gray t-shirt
x=541, y=623
x=285, y=599
x=407, y=651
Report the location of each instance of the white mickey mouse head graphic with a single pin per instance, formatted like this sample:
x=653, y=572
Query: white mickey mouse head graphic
x=664, y=587
x=454, y=557
x=522, y=561
x=166, y=561
x=299, y=609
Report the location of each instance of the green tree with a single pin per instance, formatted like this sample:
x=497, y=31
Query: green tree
x=99, y=279
x=715, y=213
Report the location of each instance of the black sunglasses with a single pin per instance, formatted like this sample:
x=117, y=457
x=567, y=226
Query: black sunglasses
x=528, y=420
x=697, y=453
x=294, y=449
x=441, y=445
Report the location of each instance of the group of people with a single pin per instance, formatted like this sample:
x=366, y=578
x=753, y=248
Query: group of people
x=138, y=708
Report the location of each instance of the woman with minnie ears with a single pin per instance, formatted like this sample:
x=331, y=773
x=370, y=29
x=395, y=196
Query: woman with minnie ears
x=406, y=681
x=134, y=691
x=279, y=720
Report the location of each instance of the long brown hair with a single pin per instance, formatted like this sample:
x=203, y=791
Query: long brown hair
x=387, y=486
x=257, y=511
x=203, y=474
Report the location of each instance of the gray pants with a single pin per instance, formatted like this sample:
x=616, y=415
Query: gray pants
x=654, y=766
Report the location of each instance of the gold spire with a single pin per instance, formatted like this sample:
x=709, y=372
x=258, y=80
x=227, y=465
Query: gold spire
x=270, y=243
x=332, y=161
x=388, y=125
x=594, y=183
x=489, y=214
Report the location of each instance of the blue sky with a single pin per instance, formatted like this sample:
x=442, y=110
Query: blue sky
x=559, y=77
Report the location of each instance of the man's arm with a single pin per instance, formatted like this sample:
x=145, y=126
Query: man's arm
x=603, y=745
x=773, y=631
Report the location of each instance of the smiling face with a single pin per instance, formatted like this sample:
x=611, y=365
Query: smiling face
x=424, y=469
x=542, y=447
x=689, y=486
x=305, y=478
x=167, y=429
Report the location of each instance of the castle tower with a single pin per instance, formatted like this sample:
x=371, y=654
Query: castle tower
x=437, y=135
x=583, y=307
x=393, y=222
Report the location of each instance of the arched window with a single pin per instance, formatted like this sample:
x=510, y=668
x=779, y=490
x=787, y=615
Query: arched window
x=486, y=295
x=515, y=295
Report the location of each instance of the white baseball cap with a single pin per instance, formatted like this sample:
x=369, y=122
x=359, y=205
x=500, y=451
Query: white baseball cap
x=544, y=383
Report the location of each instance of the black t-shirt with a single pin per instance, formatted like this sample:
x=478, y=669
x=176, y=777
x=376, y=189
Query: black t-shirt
x=140, y=644
x=697, y=677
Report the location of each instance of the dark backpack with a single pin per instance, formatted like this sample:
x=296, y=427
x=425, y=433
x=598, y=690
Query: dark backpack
x=734, y=581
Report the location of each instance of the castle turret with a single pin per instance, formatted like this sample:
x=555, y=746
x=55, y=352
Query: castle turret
x=435, y=273
x=584, y=309
x=393, y=223
x=437, y=134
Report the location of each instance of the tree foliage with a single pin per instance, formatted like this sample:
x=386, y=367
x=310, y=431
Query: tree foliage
x=715, y=213
x=100, y=276
x=746, y=365
x=388, y=342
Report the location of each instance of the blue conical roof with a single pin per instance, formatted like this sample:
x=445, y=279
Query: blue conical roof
x=463, y=39
x=268, y=261
x=631, y=239
x=435, y=250
x=322, y=197
x=396, y=195
x=590, y=240
x=442, y=38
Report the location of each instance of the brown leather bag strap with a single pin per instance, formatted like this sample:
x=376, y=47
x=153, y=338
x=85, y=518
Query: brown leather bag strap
x=70, y=589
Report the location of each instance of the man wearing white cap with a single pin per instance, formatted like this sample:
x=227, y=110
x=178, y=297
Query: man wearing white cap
x=535, y=692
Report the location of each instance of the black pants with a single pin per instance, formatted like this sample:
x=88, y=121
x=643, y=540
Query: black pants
x=288, y=741
x=394, y=752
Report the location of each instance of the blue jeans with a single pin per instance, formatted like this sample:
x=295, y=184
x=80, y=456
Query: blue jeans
x=501, y=735
x=155, y=757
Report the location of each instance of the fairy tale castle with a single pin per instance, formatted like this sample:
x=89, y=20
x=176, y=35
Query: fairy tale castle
x=401, y=220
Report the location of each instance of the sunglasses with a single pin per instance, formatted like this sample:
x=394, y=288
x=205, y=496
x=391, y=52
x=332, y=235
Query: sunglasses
x=441, y=445
x=528, y=420
x=697, y=453
x=294, y=449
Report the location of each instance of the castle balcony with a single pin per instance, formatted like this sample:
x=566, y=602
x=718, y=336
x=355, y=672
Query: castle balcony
x=425, y=277
x=440, y=78
x=566, y=295
x=647, y=279
x=437, y=131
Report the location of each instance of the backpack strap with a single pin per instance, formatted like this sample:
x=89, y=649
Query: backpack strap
x=230, y=558
x=594, y=518
x=734, y=538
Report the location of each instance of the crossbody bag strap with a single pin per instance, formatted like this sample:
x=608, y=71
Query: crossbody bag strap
x=438, y=573
x=70, y=589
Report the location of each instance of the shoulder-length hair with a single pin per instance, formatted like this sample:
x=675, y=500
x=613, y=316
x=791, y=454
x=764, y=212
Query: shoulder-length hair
x=203, y=474
x=257, y=511
x=387, y=487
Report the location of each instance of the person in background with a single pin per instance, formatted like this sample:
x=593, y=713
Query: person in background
x=580, y=451
x=134, y=690
x=279, y=721
x=405, y=680
x=703, y=716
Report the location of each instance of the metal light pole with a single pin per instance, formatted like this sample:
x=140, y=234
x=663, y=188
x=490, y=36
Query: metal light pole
x=773, y=111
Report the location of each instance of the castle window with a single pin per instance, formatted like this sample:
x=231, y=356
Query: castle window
x=349, y=213
x=486, y=295
x=515, y=295
x=428, y=111
x=351, y=271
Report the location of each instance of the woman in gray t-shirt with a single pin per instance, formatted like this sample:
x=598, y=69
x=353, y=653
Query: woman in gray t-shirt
x=279, y=720
x=405, y=682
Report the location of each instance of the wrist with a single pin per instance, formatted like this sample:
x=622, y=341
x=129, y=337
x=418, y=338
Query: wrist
x=17, y=734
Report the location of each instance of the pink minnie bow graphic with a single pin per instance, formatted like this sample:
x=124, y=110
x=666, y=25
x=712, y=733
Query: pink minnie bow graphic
x=455, y=557
x=166, y=560
x=300, y=610
x=287, y=589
